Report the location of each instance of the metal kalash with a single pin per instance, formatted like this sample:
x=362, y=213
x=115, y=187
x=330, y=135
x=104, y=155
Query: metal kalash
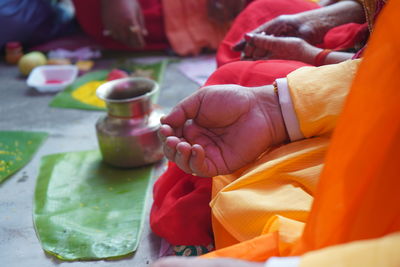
x=128, y=134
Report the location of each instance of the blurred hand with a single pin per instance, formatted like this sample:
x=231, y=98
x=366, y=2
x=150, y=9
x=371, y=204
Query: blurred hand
x=221, y=128
x=123, y=21
x=288, y=48
x=223, y=11
x=198, y=262
x=295, y=25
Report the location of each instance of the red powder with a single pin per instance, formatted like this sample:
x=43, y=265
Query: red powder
x=53, y=81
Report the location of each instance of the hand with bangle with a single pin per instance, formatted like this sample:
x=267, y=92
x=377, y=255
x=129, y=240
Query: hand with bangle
x=123, y=21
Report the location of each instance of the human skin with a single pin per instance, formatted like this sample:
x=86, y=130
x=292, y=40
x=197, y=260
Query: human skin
x=310, y=26
x=123, y=21
x=221, y=128
x=290, y=48
x=198, y=262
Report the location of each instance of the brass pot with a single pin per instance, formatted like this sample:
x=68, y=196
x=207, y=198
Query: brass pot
x=128, y=134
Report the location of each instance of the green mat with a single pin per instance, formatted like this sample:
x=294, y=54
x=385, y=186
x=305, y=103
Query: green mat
x=85, y=209
x=17, y=149
x=68, y=99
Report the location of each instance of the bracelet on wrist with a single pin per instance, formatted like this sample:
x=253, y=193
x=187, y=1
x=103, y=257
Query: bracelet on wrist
x=320, y=58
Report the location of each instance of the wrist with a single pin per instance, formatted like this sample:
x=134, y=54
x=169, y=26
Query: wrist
x=310, y=53
x=268, y=99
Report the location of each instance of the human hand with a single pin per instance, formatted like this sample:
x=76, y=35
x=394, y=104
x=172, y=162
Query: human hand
x=223, y=11
x=123, y=21
x=198, y=262
x=295, y=25
x=221, y=128
x=288, y=48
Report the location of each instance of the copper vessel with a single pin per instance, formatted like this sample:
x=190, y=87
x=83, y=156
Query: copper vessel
x=127, y=135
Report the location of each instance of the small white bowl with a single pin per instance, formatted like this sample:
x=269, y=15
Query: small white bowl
x=52, y=78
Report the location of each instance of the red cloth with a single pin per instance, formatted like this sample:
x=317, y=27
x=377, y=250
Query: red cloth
x=88, y=13
x=181, y=213
x=261, y=11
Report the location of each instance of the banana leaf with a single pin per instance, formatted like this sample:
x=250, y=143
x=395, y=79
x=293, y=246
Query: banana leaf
x=17, y=149
x=85, y=209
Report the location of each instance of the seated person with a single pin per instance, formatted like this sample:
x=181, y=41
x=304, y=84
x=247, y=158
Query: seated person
x=33, y=22
x=176, y=192
x=356, y=198
x=187, y=25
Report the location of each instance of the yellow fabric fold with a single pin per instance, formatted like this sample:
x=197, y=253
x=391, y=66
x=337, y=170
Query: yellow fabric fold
x=318, y=95
x=368, y=253
x=276, y=188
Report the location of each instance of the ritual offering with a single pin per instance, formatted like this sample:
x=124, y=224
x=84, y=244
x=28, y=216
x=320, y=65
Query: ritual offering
x=16, y=149
x=128, y=134
x=85, y=209
x=52, y=78
x=81, y=94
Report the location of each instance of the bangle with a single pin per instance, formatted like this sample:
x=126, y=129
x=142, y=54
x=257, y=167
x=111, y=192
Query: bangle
x=320, y=58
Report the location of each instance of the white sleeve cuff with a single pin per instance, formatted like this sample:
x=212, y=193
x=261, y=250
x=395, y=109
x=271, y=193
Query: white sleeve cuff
x=283, y=262
x=288, y=113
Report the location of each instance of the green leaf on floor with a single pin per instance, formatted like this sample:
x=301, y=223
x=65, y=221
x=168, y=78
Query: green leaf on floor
x=82, y=93
x=85, y=209
x=16, y=150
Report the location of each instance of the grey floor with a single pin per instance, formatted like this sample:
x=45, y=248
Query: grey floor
x=22, y=108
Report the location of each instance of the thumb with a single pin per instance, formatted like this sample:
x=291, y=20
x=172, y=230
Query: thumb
x=185, y=110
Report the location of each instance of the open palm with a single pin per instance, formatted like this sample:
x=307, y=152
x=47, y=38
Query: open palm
x=220, y=129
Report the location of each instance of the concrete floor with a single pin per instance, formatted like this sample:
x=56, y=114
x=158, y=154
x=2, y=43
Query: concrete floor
x=22, y=108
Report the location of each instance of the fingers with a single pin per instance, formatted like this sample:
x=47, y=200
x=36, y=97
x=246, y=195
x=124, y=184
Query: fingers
x=198, y=162
x=170, y=147
x=136, y=38
x=265, y=42
x=190, y=159
x=182, y=156
x=185, y=110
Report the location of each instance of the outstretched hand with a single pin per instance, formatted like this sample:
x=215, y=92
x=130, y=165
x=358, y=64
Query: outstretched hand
x=295, y=25
x=288, y=48
x=123, y=21
x=221, y=128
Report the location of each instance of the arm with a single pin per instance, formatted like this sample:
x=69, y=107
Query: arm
x=312, y=25
x=316, y=96
x=290, y=48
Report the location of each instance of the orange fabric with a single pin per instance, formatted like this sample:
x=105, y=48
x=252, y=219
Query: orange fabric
x=358, y=194
x=188, y=28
